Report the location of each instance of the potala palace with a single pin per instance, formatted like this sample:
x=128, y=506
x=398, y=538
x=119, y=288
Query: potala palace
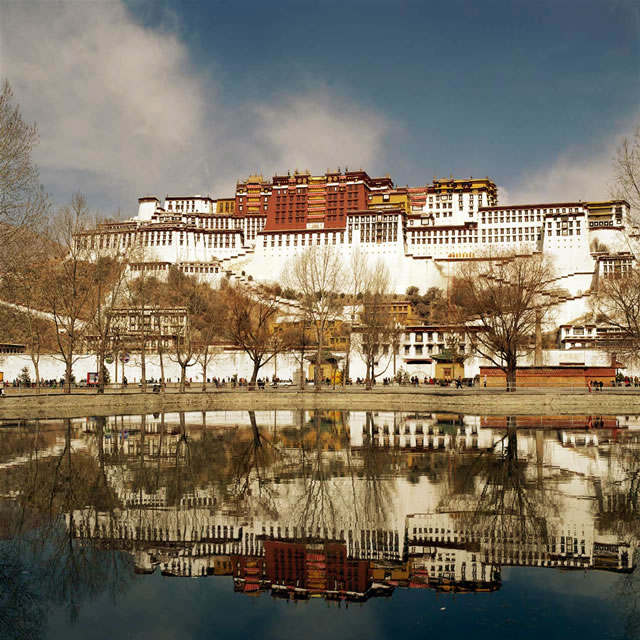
x=422, y=233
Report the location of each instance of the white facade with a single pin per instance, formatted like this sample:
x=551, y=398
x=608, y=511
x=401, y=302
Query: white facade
x=423, y=248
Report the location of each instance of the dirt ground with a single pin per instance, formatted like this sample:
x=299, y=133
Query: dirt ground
x=25, y=405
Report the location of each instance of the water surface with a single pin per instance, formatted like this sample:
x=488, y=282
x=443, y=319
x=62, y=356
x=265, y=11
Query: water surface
x=295, y=524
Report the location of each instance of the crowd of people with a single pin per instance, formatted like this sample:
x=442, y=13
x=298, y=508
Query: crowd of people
x=236, y=381
x=31, y=384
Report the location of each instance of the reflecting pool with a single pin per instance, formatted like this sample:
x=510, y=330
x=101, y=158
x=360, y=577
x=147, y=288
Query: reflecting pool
x=314, y=524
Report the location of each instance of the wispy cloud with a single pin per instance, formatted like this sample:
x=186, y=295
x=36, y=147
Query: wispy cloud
x=123, y=112
x=319, y=130
x=118, y=106
x=581, y=173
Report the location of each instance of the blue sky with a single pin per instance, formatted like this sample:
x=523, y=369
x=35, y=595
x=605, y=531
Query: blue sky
x=166, y=96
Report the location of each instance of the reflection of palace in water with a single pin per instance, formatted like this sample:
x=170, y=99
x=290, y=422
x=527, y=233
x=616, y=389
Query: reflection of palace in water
x=349, y=505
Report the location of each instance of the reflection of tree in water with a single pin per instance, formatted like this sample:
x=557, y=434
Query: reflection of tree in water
x=619, y=492
x=21, y=608
x=628, y=590
x=340, y=485
x=75, y=570
x=509, y=507
x=619, y=510
x=373, y=509
x=252, y=460
x=43, y=563
x=318, y=511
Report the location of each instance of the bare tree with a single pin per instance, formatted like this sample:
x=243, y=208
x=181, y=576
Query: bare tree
x=139, y=292
x=503, y=298
x=319, y=277
x=184, y=350
x=108, y=282
x=358, y=269
x=23, y=201
x=376, y=323
x=617, y=304
x=24, y=285
x=299, y=337
x=251, y=325
x=626, y=167
x=208, y=320
x=69, y=291
x=204, y=317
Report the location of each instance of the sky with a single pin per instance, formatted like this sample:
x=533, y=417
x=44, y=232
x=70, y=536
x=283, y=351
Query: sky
x=183, y=97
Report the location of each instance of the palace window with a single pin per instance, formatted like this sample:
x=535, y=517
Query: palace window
x=616, y=268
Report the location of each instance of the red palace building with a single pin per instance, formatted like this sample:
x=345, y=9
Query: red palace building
x=301, y=201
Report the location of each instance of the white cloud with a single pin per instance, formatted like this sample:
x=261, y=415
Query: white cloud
x=577, y=174
x=319, y=130
x=122, y=112
x=117, y=105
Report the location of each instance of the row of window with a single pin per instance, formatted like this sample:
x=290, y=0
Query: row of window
x=226, y=241
x=304, y=239
x=521, y=237
x=214, y=223
x=617, y=267
x=188, y=206
x=461, y=240
x=509, y=217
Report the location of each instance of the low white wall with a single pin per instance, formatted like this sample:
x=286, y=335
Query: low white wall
x=286, y=367
x=223, y=365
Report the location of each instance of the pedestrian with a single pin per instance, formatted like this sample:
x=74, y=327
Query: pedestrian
x=485, y=379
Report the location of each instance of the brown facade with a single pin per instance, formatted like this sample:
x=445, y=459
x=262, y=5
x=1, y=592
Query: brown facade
x=317, y=568
x=560, y=376
x=301, y=201
x=550, y=422
x=301, y=570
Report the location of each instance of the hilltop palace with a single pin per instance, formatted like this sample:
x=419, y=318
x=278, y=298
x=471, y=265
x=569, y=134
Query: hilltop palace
x=422, y=233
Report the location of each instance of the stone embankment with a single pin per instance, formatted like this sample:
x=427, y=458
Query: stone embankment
x=24, y=405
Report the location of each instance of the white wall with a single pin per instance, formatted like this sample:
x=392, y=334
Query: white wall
x=221, y=366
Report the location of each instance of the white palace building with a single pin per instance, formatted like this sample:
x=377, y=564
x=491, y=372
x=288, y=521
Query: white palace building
x=422, y=233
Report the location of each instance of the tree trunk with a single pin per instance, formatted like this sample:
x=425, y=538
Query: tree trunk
x=183, y=376
x=204, y=377
x=347, y=361
x=303, y=377
x=37, y=370
x=511, y=375
x=254, y=375
x=143, y=365
x=162, y=384
x=205, y=361
x=318, y=369
x=100, y=365
x=68, y=374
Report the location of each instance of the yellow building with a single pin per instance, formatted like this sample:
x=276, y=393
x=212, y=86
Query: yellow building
x=608, y=213
x=390, y=199
x=226, y=205
x=329, y=370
